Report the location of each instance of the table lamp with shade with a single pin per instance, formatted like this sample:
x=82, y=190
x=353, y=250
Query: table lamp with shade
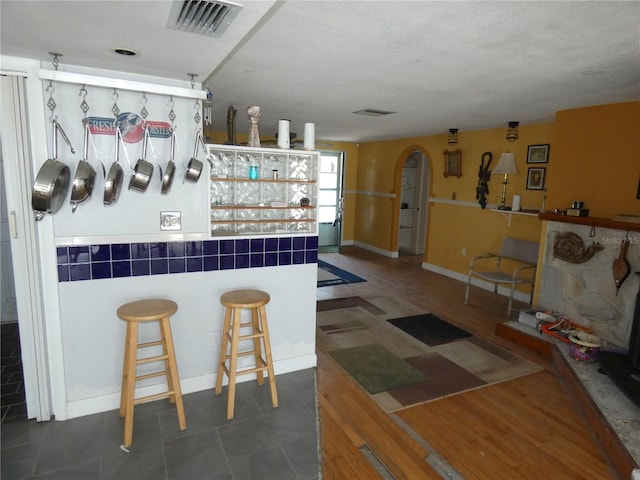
x=506, y=166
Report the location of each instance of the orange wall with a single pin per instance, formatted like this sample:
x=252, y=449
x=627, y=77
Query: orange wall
x=596, y=159
x=459, y=224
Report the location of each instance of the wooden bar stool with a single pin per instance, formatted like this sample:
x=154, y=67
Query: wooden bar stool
x=235, y=301
x=148, y=311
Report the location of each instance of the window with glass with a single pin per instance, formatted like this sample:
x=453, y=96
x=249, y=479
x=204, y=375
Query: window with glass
x=328, y=187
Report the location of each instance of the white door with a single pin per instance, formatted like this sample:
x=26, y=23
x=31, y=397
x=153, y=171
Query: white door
x=16, y=166
x=422, y=200
x=7, y=285
x=330, y=199
x=413, y=203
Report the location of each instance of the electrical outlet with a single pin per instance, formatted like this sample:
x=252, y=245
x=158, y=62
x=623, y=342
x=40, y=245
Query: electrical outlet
x=463, y=251
x=170, y=220
x=216, y=337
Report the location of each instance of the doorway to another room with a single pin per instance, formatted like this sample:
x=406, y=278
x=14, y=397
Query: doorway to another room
x=330, y=200
x=413, y=202
x=13, y=404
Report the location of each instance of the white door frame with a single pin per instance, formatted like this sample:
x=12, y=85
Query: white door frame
x=337, y=226
x=16, y=162
x=420, y=223
x=421, y=196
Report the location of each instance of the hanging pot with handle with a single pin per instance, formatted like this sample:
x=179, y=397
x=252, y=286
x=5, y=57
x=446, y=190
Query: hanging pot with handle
x=115, y=177
x=85, y=175
x=170, y=171
x=53, y=179
x=195, y=166
x=143, y=170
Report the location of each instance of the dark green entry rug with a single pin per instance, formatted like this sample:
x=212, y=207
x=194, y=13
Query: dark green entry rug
x=376, y=368
x=403, y=356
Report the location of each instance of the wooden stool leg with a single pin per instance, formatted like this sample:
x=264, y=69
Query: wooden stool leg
x=257, y=345
x=167, y=365
x=132, y=348
x=173, y=379
x=233, y=363
x=224, y=344
x=125, y=368
x=269, y=358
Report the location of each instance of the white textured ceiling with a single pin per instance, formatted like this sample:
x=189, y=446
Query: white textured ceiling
x=438, y=65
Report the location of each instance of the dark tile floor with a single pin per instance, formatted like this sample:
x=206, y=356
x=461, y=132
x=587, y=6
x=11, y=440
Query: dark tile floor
x=260, y=443
x=12, y=400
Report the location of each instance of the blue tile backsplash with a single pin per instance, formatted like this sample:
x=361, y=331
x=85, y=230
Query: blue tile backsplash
x=118, y=260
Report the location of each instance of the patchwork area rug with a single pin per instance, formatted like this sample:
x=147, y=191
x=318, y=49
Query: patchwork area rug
x=329, y=275
x=403, y=356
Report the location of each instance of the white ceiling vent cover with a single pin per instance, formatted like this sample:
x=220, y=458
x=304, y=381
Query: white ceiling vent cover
x=205, y=17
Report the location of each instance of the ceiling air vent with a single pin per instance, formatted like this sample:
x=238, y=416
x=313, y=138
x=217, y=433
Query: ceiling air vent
x=202, y=16
x=372, y=112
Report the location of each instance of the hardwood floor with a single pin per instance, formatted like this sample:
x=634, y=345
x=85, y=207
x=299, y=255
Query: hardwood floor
x=527, y=428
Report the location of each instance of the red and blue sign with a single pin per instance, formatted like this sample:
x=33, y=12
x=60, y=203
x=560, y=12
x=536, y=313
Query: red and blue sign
x=131, y=127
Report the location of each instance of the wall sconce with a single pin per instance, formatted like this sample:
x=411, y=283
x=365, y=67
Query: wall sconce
x=512, y=131
x=453, y=136
x=506, y=166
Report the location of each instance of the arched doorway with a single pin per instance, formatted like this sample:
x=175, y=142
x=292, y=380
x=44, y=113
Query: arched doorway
x=413, y=172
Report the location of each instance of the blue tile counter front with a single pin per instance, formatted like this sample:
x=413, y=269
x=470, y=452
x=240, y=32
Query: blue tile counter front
x=117, y=260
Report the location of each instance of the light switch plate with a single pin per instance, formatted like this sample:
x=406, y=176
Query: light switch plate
x=170, y=220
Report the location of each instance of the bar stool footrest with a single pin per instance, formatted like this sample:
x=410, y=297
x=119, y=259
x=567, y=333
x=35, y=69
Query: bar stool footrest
x=150, y=398
x=152, y=375
x=155, y=343
x=142, y=361
x=256, y=369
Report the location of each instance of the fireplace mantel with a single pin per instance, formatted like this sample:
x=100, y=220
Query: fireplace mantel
x=591, y=221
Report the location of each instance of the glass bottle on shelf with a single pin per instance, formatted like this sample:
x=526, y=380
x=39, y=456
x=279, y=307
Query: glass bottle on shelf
x=253, y=169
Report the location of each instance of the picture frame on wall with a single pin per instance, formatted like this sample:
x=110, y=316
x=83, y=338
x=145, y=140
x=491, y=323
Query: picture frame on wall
x=535, y=178
x=538, y=153
x=453, y=163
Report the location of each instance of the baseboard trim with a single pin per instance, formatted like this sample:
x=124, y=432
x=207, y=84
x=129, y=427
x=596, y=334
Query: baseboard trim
x=523, y=297
x=104, y=403
x=379, y=251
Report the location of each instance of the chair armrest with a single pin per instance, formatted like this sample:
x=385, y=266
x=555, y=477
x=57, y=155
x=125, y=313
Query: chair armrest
x=523, y=267
x=480, y=257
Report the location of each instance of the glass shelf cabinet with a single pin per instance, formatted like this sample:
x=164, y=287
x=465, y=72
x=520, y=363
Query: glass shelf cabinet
x=255, y=191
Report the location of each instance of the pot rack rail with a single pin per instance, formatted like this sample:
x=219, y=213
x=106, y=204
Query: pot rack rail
x=91, y=80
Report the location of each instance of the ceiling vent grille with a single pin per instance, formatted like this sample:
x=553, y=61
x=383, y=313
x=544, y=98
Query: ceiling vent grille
x=204, y=17
x=372, y=112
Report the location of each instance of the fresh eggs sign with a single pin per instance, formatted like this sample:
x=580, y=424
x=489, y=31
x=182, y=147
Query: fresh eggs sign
x=131, y=127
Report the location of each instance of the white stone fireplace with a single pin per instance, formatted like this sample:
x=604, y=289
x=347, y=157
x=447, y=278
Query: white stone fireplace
x=586, y=292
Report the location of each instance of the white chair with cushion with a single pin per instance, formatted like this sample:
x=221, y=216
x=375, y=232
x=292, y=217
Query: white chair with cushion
x=489, y=267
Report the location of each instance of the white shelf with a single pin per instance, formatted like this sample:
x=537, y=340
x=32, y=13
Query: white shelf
x=240, y=205
x=508, y=213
